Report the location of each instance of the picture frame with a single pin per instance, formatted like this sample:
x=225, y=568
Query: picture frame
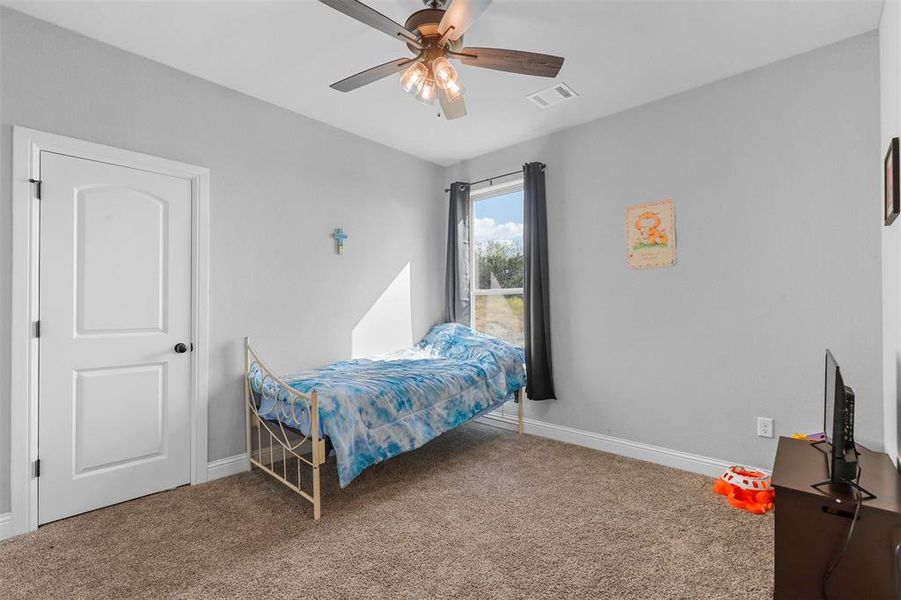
x=651, y=235
x=892, y=194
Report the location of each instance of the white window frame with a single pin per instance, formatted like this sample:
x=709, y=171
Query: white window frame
x=492, y=190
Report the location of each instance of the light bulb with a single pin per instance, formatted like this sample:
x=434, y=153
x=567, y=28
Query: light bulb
x=454, y=90
x=426, y=93
x=445, y=73
x=413, y=78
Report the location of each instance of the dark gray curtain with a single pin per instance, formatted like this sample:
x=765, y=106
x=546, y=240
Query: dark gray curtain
x=457, y=282
x=536, y=293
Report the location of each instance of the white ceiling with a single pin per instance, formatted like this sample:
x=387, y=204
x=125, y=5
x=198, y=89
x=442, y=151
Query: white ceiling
x=619, y=54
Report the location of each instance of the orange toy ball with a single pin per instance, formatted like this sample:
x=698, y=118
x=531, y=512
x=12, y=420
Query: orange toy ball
x=746, y=489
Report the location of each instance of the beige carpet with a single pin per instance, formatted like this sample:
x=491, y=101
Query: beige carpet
x=477, y=513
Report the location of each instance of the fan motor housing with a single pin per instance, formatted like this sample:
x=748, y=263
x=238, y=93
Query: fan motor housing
x=424, y=25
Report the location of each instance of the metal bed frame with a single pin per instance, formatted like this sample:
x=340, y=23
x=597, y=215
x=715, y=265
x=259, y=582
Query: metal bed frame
x=307, y=451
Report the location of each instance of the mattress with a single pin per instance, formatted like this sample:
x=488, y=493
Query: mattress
x=374, y=409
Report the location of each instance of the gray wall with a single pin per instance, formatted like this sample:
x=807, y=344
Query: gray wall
x=280, y=184
x=778, y=220
x=890, y=66
x=775, y=179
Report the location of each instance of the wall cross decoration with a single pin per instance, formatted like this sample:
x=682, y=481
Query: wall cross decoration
x=340, y=238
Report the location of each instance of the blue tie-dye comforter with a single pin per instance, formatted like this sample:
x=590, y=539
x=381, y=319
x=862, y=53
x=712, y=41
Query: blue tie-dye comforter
x=372, y=410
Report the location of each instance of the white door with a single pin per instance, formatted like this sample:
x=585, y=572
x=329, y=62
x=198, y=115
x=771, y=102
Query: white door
x=115, y=300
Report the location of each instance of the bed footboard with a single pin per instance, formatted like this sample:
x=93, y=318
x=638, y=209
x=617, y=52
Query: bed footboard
x=277, y=450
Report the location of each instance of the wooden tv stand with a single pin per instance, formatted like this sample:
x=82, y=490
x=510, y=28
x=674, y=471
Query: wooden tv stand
x=811, y=526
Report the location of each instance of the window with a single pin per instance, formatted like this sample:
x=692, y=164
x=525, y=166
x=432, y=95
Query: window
x=497, y=262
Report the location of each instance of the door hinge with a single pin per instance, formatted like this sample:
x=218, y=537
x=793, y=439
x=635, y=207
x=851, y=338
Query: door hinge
x=37, y=468
x=37, y=187
x=37, y=329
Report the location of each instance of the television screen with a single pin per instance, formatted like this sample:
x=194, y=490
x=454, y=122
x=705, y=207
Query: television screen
x=838, y=423
x=829, y=396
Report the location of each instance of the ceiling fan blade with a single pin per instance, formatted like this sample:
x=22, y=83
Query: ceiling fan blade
x=513, y=61
x=370, y=16
x=369, y=75
x=452, y=109
x=460, y=15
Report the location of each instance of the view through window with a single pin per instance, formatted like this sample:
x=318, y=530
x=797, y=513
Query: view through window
x=498, y=266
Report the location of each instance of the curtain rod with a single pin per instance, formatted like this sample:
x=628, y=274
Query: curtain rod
x=491, y=179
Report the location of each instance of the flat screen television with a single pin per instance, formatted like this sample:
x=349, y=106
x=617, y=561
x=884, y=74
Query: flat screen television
x=838, y=424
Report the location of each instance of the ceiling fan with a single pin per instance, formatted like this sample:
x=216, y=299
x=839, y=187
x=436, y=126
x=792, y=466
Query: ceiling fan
x=435, y=35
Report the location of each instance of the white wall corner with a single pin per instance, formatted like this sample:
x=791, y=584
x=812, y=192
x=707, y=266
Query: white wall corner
x=6, y=526
x=230, y=465
x=685, y=461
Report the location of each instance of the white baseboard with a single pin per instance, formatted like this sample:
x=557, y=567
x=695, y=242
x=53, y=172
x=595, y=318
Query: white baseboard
x=677, y=459
x=6, y=525
x=230, y=465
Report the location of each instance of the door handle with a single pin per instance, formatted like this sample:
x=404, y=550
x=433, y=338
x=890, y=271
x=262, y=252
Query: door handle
x=180, y=348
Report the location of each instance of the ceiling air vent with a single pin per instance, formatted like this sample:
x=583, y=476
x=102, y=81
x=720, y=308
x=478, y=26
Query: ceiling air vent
x=557, y=93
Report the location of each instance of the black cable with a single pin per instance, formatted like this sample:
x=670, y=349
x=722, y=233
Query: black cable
x=838, y=558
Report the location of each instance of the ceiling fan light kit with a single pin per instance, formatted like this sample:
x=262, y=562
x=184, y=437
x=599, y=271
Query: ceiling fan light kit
x=445, y=73
x=427, y=92
x=454, y=90
x=414, y=77
x=435, y=36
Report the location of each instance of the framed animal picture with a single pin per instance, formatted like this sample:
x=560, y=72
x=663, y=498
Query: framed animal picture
x=651, y=235
x=892, y=197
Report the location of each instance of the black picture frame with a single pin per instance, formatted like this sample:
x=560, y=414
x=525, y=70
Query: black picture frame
x=892, y=195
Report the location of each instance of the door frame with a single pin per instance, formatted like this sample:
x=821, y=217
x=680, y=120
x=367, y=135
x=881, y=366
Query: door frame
x=24, y=394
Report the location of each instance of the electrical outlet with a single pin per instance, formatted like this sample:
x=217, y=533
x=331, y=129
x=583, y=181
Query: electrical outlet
x=764, y=427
